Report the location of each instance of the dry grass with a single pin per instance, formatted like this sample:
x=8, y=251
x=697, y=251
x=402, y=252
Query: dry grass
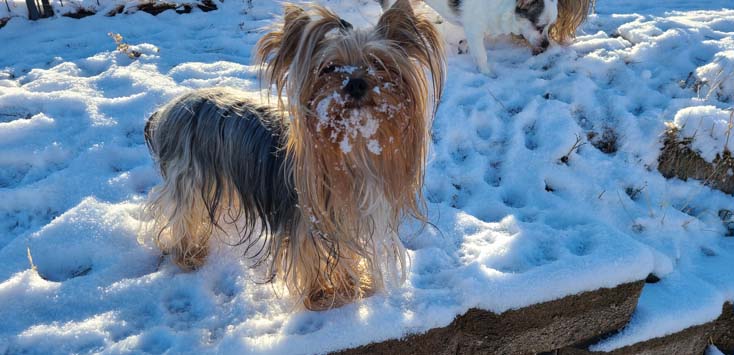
x=579, y=142
x=678, y=159
x=606, y=142
x=124, y=47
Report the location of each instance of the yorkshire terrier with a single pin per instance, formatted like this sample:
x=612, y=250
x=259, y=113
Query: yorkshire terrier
x=318, y=184
x=538, y=21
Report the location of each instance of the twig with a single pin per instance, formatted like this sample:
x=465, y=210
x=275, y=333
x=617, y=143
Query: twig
x=564, y=159
x=6, y=5
x=495, y=98
x=729, y=127
x=30, y=259
x=619, y=197
x=719, y=80
x=648, y=200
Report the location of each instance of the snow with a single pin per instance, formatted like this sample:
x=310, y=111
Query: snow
x=18, y=8
x=712, y=350
x=717, y=77
x=516, y=223
x=709, y=129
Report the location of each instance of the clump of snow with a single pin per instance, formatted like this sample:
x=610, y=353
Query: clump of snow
x=710, y=130
x=717, y=77
x=346, y=124
x=514, y=226
x=347, y=69
x=374, y=147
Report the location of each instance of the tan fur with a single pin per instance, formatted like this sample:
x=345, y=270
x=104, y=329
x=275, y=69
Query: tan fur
x=353, y=201
x=182, y=229
x=571, y=14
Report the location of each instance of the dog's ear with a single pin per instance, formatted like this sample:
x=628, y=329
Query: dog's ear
x=398, y=22
x=275, y=51
x=286, y=53
x=399, y=4
x=415, y=34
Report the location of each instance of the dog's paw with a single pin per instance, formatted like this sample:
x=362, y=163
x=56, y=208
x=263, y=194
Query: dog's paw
x=463, y=47
x=487, y=70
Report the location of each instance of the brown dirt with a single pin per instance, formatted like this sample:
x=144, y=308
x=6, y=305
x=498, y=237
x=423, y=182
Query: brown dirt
x=538, y=328
x=691, y=341
x=724, y=330
x=153, y=8
x=81, y=13
x=677, y=159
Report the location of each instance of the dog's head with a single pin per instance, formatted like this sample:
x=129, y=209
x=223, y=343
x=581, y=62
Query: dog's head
x=537, y=17
x=337, y=78
x=360, y=101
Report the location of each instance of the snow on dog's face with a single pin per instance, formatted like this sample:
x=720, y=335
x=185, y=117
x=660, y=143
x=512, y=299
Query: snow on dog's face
x=355, y=88
x=537, y=17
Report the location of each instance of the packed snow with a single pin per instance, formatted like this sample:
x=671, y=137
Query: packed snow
x=712, y=350
x=708, y=128
x=541, y=183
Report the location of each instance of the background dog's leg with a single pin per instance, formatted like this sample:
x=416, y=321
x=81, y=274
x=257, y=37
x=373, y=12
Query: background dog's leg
x=463, y=47
x=475, y=42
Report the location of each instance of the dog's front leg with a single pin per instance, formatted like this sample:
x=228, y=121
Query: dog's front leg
x=475, y=41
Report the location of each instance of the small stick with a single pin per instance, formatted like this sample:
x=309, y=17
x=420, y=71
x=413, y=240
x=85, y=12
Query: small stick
x=729, y=127
x=495, y=98
x=564, y=159
x=30, y=259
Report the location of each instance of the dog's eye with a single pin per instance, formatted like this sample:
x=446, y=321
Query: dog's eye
x=376, y=64
x=327, y=69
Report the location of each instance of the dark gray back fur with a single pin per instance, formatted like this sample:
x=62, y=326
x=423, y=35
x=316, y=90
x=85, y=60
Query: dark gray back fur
x=226, y=139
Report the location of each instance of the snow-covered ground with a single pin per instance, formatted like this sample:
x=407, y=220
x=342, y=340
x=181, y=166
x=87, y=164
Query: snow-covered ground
x=515, y=224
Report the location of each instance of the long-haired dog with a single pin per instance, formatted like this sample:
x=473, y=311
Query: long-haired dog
x=538, y=21
x=318, y=184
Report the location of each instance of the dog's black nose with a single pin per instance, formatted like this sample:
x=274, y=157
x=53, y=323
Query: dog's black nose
x=356, y=88
x=543, y=46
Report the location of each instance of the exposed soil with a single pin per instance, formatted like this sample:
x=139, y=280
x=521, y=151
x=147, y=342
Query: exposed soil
x=538, y=328
x=677, y=159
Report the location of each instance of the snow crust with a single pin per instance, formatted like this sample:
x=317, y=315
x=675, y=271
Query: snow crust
x=516, y=223
x=709, y=129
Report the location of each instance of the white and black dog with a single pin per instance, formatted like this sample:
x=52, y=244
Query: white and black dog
x=538, y=21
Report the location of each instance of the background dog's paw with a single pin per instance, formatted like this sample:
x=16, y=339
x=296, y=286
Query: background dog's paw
x=463, y=47
x=487, y=70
